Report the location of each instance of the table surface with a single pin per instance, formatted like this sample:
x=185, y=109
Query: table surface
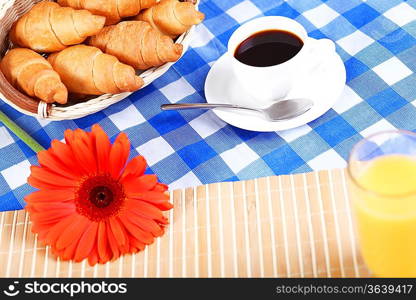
x=285, y=226
x=375, y=38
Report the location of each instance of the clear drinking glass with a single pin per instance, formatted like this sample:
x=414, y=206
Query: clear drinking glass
x=382, y=181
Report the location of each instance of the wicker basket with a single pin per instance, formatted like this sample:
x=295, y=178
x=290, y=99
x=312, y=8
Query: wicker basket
x=10, y=11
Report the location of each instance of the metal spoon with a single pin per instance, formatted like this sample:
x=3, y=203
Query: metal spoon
x=279, y=111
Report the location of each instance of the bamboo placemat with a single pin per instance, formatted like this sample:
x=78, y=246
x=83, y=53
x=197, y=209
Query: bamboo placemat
x=285, y=226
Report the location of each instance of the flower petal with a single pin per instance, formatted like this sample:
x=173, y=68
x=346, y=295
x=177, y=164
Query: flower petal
x=102, y=147
x=63, y=153
x=144, y=208
x=69, y=252
x=117, y=231
x=159, y=200
x=149, y=196
x=83, y=136
x=72, y=232
x=51, y=177
x=138, y=213
x=87, y=242
x=48, y=160
x=84, y=151
x=139, y=184
x=112, y=241
x=163, y=205
x=93, y=257
x=56, y=231
x=47, y=218
x=40, y=229
x=104, y=251
x=125, y=249
x=119, y=155
x=136, y=167
x=62, y=195
x=160, y=187
x=93, y=147
x=136, y=243
x=43, y=185
x=43, y=216
x=136, y=232
x=145, y=224
x=45, y=207
x=69, y=137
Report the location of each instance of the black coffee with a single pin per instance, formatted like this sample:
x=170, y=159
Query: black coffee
x=268, y=48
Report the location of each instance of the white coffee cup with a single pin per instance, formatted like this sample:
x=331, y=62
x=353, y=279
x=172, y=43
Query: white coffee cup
x=269, y=84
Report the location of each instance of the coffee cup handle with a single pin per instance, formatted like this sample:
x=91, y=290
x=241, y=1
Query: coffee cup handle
x=318, y=52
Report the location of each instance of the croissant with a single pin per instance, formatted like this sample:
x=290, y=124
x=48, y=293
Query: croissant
x=113, y=10
x=136, y=43
x=31, y=73
x=86, y=70
x=172, y=17
x=47, y=27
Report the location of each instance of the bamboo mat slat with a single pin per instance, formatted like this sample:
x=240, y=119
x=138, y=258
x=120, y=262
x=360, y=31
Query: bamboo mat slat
x=284, y=226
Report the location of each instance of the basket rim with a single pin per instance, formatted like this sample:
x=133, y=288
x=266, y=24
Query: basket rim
x=57, y=113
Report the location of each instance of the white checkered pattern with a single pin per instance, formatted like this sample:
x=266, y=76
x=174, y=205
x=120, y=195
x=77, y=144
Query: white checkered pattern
x=124, y=120
x=239, y=157
x=392, y=71
x=17, y=175
x=243, y=11
x=327, y=160
x=155, y=150
x=321, y=15
x=5, y=138
x=355, y=42
x=401, y=14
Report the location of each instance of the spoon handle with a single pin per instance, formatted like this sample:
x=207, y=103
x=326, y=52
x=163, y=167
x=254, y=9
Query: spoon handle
x=182, y=106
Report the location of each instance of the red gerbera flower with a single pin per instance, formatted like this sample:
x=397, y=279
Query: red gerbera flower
x=91, y=203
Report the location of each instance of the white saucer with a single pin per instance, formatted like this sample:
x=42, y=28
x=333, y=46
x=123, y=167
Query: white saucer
x=324, y=88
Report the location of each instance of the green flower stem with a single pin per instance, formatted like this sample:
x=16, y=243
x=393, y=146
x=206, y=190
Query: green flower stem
x=20, y=133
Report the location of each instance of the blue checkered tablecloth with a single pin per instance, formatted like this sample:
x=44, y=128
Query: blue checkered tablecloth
x=375, y=38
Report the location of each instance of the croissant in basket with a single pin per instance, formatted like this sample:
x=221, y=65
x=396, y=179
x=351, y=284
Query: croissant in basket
x=58, y=27
x=86, y=70
x=172, y=17
x=48, y=27
x=136, y=43
x=31, y=73
x=113, y=10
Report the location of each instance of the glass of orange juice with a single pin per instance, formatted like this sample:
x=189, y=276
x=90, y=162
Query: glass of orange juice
x=382, y=180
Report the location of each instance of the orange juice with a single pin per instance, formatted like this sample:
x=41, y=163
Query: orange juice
x=385, y=207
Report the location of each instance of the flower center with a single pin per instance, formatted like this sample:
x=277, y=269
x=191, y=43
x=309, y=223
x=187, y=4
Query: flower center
x=99, y=197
